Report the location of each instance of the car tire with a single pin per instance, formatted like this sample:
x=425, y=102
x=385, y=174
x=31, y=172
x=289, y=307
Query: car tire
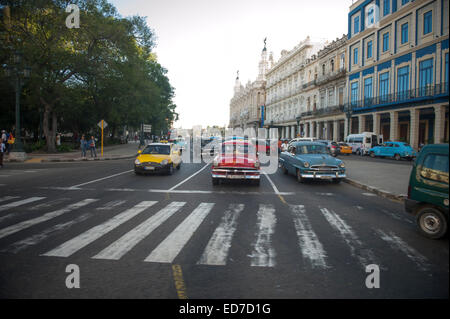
x=300, y=179
x=215, y=181
x=372, y=154
x=397, y=157
x=337, y=180
x=137, y=173
x=170, y=170
x=179, y=166
x=431, y=222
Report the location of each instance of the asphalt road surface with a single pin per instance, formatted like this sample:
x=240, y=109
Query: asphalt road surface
x=178, y=236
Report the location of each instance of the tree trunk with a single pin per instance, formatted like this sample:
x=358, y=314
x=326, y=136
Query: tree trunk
x=50, y=134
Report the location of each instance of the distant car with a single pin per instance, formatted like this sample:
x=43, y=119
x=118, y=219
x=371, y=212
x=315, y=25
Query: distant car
x=303, y=139
x=345, y=148
x=397, y=150
x=311, y=160
x=158, y=157
x=332, y=147
x=263, y=146
x=428, y=191
x=237, y=160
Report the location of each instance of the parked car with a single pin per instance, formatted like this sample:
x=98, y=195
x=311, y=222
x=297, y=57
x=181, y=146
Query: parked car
x=397, y=150
x=237, y=160
x=332, y=147
x=303, y=139
x=158, y=157
x=361, y=143
x=311, y=160
x=345, y=148
x=428, y=191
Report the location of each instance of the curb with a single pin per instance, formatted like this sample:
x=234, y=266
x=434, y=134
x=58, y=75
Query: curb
x=55, y=160
x=382, y=193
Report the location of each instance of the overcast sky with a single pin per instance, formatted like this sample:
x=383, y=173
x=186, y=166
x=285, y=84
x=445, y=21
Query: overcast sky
x=203, y=43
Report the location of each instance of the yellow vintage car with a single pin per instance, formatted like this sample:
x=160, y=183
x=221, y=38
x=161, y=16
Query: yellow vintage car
x=158, y=157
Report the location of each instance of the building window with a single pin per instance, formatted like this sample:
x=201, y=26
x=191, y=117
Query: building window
x=342, y=61
x=332, y=65
x=356, y=25
x=369, y=49
x=446, y=72
x=368, y=91
x=427, y=22
x=370, y=16
x=354, y=93
x=405, y=36
x=355, y=56
x=323, y=69
x=386, y=7
x=404, y=2
x=425, y=76
x=403, y=82
x=385, y=41
x=384, y=87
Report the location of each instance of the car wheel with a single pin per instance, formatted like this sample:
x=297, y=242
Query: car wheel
x=215, y=181
x=300, y=179
x=432, y=223
x=256, y=182
x=179, y=166
x=372, y=154
x=137, y=173
x=337, y=180
x=170, y=170
x=397, y=157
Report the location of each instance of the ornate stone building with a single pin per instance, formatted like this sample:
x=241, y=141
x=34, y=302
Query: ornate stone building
x=247, y=104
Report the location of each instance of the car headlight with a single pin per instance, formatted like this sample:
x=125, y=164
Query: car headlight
x=342, y=165
x=137, y=161
x=164, y=162
x=257, y=164
x=306, y=164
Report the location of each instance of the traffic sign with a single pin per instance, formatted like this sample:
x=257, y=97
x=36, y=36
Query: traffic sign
x=147, y=128
x=104, y=124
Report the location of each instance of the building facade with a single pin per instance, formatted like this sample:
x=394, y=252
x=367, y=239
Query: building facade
x=247, y=104
x=291, y=87
x=397, y=83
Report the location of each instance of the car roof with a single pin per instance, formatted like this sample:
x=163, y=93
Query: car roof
x=307, y=143
x=441, y=148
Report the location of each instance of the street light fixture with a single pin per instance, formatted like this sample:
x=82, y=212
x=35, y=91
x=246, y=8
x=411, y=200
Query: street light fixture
x=17, y=74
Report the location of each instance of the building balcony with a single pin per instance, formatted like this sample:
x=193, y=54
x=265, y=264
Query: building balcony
x=331, y=76
x=428, y=94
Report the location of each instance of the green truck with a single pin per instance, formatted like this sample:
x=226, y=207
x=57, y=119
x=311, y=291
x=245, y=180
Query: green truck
x=428, y=190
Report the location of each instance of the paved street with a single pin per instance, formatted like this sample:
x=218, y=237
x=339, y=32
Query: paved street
x=178, y=236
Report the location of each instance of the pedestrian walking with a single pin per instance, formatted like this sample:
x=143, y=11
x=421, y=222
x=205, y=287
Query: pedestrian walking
x=284, y=146
x=83, y=146
x=92, y=147
x=2, y=151
x=10, y=142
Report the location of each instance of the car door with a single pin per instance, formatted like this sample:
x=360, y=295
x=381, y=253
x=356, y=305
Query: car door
x=386, y=149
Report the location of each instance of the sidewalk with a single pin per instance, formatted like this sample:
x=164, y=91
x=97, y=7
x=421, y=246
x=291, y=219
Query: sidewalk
x=386, y=179
x=121, y=151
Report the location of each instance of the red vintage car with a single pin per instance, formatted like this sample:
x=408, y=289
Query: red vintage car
x=238, y=160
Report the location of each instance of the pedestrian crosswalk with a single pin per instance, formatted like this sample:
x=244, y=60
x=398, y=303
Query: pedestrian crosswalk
x=311, y=242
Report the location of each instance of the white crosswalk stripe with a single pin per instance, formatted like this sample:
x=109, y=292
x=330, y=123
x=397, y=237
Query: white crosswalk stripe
x=70, y=247
x=28, y=223
x=120, y=247
x=168, y=249
x=5, y=198
x=216, y=252
x=263, y=254
x=19, y=203
x=310, y=245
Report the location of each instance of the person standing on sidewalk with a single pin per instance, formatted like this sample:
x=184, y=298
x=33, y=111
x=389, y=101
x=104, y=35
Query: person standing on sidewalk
x=83, y=146
x=92, y=147
x=11, y=141
x=2, y=151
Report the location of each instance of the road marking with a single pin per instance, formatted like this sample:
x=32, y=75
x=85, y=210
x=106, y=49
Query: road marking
x=369, y=194
x=310, y=245
x=28, y=223
x=5, y=198
x=179, y=282
x=38, y=238
x=182, y=182
x=49, y=204
x=111, y=205
x=275, y=189
x=325, y=194
x=263, y=254
x=168, y=249
x=120, y=247
x=70, y=247
x=398, y=244
x=101, y=179
x=20, y=203
x=217, y=249
x=364, y=255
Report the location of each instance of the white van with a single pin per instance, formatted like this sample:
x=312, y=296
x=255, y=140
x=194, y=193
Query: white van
x=363, y=142
x=303, y=139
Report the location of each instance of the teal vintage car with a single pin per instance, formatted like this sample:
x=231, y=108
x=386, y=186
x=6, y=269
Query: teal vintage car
x=311, y=161
x=397, y=150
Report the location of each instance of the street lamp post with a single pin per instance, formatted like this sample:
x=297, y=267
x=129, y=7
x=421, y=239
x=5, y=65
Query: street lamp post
x=298, y=118
x=17, y=73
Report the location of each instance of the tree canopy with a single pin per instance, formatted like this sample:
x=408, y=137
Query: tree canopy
x=105, y=69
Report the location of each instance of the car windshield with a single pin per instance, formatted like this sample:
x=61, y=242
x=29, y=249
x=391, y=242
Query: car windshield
x=343, y=144
x=312, y=149
x=157, y=149
x=238, y=148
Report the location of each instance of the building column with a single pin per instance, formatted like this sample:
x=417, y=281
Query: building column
x=293, y=131
x=393, y=134
x=335, y=131
x=439, y=124
x=376, y=123
x=311, y=129
x=346, y=127
x=361, y=123
x=318, y=130
x=327, y=131
x=414, y=115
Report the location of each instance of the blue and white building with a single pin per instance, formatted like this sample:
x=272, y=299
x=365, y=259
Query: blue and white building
x=397, y=79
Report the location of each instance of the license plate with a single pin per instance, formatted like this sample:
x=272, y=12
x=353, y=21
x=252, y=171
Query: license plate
x=325, y=177
x=235, y=176
x=149, y=168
